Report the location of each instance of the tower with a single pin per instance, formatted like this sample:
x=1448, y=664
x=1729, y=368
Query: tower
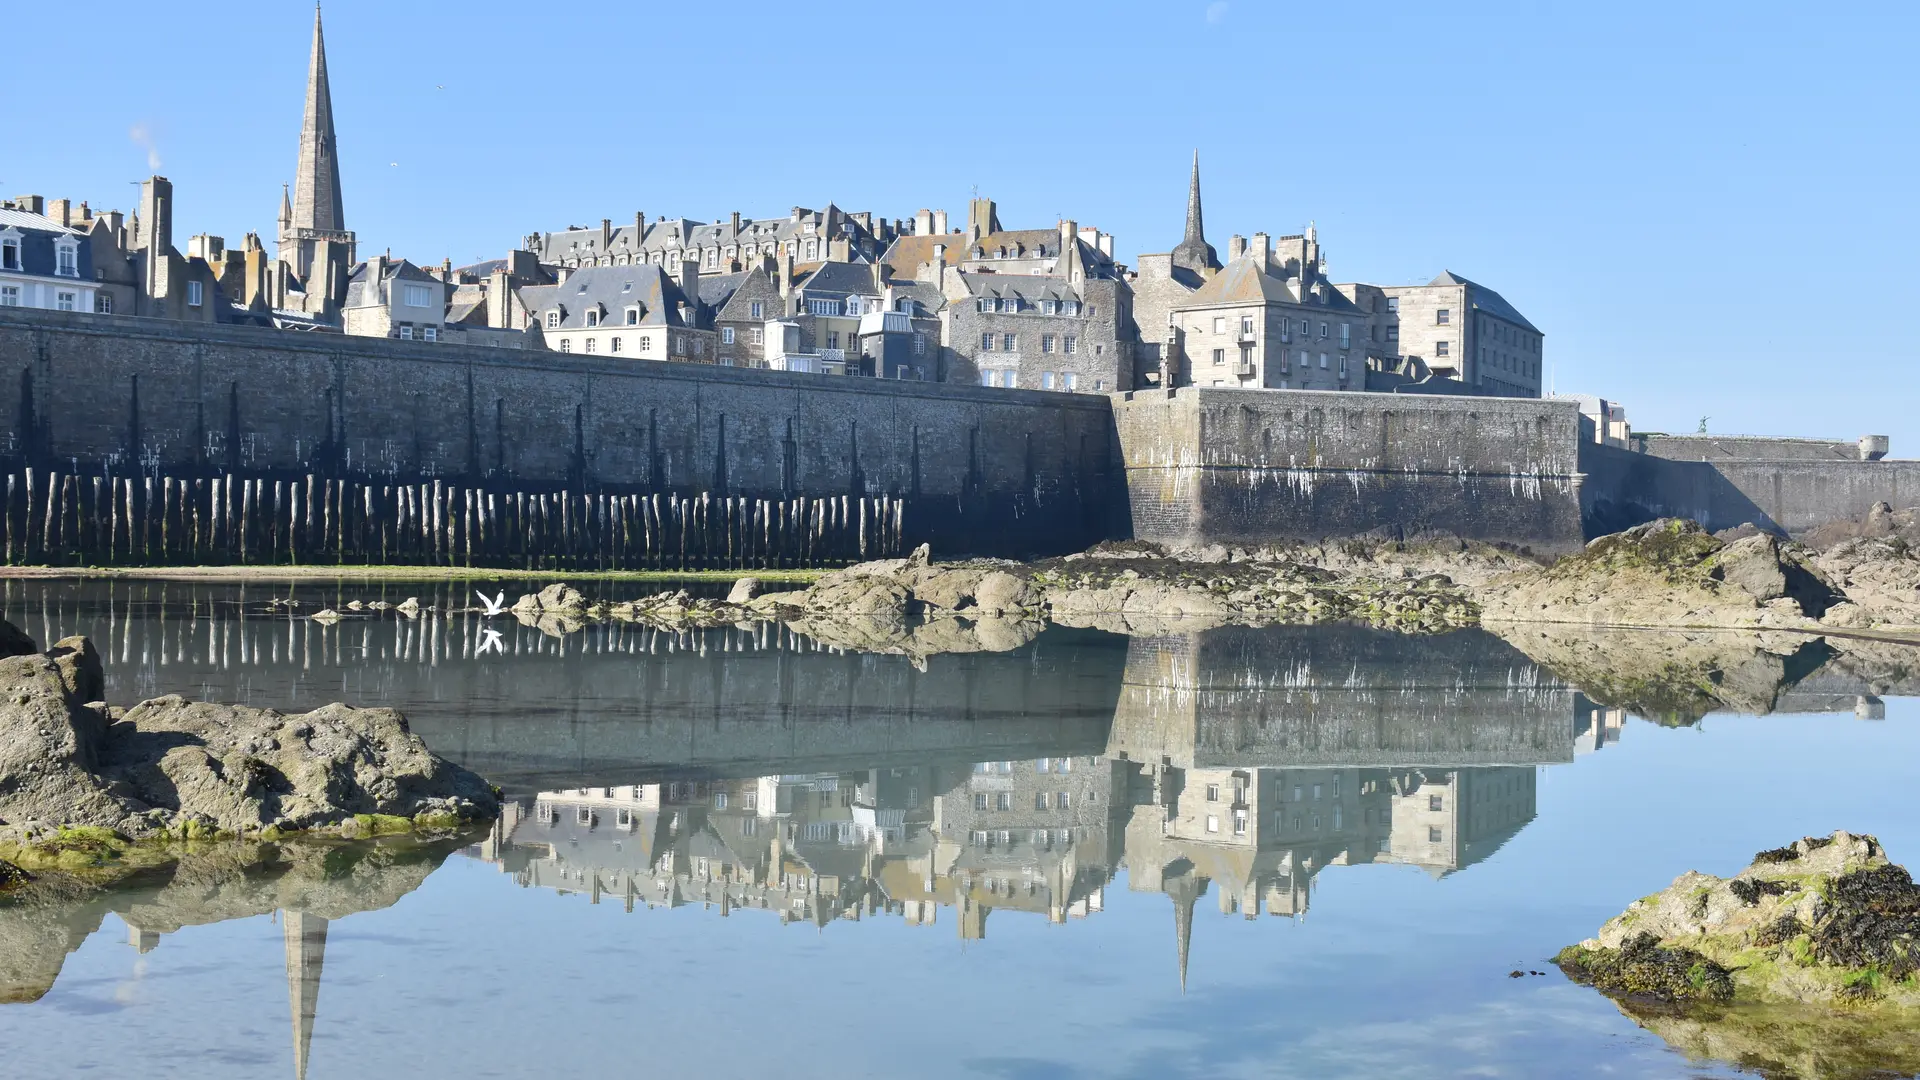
x=306, y=938
x=1194, y=253
x=314, y=244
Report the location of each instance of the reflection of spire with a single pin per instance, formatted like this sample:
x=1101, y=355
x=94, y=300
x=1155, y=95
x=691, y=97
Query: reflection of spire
x=306, y=953
x=1183, y=930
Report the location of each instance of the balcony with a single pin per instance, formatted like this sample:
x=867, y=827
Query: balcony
x=1245, y=368
x=1247, y=337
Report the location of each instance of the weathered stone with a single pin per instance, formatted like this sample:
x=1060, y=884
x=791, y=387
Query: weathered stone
x=14, y=641
x=410, y=607
x=744, y=590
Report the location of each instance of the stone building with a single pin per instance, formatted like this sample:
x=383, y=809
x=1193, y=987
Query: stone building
x=315, y=248
x=44, y=263
x=1040, y=333
x=393, y=298
x=117, y=265
x=630, y=312
x=1268, y=319
x=806, y=236
x=1465, y=331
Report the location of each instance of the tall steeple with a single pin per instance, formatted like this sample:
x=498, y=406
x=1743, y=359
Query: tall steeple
x=1194, y=253
x=316, y=181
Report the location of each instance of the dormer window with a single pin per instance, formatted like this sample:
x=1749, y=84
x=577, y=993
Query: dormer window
x=68, y=256
x=633, y=316
x=627, y=288
x=553, y=320
x=9, y=253
x=593, y=318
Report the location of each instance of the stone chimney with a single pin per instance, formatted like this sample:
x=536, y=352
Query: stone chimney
x=376, y=276
x=922, y=222
x=606, y=235
x=1263, y=249
x=32, y=204
x=784, y=278
x=1069, y=232
x=1236, y=246
x=61, y=211
x=499, y=298
x=690, y=285
x=736, y=224
x=940, y=221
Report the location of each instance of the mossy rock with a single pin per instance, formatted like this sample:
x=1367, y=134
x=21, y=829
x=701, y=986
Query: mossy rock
x=1643, y=970
x=12, y=877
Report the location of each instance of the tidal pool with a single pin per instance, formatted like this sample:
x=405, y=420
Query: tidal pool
x=1288, y=852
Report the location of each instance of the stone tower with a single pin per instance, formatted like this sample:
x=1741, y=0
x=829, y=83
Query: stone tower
x=315, y=248
x=306, y=938
x=1194, y=253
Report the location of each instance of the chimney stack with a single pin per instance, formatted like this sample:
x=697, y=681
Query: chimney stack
x=785, y=278
x=736, y=224
x=690, y=285
x=922, y=222
x=1236, y=247
x=61, y=211
x=1069, y=232
x=1263, y=248
x=606, y=235
x=940, y=221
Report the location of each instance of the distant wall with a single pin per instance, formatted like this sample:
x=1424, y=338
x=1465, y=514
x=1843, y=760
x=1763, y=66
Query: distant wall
x=1624, y=488
x=987, y=470
x=1208, y=464
x=1754, y=448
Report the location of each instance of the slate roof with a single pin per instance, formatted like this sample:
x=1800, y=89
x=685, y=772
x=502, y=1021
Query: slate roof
x=396, y=270
x=717, y=289
x=611, y=290
x=1028, y=287
x=1485, y=299
x=907, y=254
x=26, y=222
x=844, y=279
x=1246, y=280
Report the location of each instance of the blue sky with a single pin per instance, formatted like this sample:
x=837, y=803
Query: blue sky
x=1706, y=207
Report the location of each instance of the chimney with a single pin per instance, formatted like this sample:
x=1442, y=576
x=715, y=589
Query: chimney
x=922, y=222
x=606, y=235
x=499, y=292
x=937, y=269
x=1236, y=246
x=736, y=224
x=639, y=226
x=61, y=211
x=376, y=273
x=940, y=221
x=32, y=204
x=690, y=285
x=785, y=277
x=1106, y=244
x=1263, y=248
x=1069, y=232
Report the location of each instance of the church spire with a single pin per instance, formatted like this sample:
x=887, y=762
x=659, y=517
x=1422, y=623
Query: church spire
x=1183, y=932
x=316, y=181
x=306, y=955
x=1194, y=253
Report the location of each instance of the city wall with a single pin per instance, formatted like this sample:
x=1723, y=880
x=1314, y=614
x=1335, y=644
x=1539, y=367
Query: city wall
x=1789, y=494
x=1211, y=465
x=995, y=471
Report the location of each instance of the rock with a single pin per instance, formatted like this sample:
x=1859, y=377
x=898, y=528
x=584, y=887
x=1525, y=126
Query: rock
x=1825, y=920
x=1880, y=521
x=170, y=764
x=1753, y=564
x=920, y=556
x=12, y=877
x=326, y=615
x=744, y=590
x=355, y=605
x=410, y=607
x=863, y=596
x=557, y=598
x=1001, y=593
x=379, y=605
x=1847, y=616
x=14, y=641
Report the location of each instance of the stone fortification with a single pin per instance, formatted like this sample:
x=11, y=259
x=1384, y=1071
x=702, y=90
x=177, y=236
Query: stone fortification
x=1206, y=465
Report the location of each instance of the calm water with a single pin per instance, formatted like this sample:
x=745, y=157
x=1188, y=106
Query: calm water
x=1292, y=852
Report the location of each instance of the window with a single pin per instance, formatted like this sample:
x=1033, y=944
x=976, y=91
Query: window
x=1010, y=304
x=1010, y=342
x=1336, y=785
x=593, y=318
x=1213, y=792
x=1440, y=348
x=1063, y=801
x=1219, y=356
x=646, y=343
x=1246, y=357
x=1003, y=801
x=1306, y=329
x=833, y=339
x=1239, y=823
x=9, y=254
x=1046, y=380
x=987, y=378
x=1219, y=324
x=431, y=333
x=984, y=304
x=1304, y=362
x=553, y=320
x=1046, y=343
x=406, y=333
x=726, y=335
x=756, y=309
x=1070, y=343
x=9, y=296
x=103, y=303
x=566, y=345
x=195, y=293
x=1039, y=800
x=1346, y=335
x=754, y=336
x=1436, y=802
x=979, y=800
x=1323, y=330
x=1316, y=792
x=633, y=316
x=1072, y=383
x=69, y=261
x=1323, y=361
x=1442, y=317
x=824, y=307
x=65, y=301
x=1213, y=823
x=1343, y=365
x=615, y=346
x=919, y=343
x=1393, y=333
x=1433, y=834
x=591, y=342
x=417, y=296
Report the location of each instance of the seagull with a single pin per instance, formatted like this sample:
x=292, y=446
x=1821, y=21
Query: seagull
x=495, y=606
x=393, y=164
x=491, y=641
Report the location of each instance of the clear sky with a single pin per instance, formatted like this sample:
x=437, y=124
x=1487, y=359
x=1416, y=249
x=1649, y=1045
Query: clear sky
x=1707, y=208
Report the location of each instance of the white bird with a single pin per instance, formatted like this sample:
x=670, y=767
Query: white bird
x=495, y=606
x=491, y=641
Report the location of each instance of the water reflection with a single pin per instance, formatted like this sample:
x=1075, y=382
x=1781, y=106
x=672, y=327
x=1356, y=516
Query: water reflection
x=753, y=770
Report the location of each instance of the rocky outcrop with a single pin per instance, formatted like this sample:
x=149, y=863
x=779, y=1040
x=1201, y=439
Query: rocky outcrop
x=41, y=923
x=1669, y=573
x=172, y=767
x=1825, y=921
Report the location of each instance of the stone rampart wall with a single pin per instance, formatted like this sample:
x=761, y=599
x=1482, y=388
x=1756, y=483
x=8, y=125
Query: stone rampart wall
x=1624, y=488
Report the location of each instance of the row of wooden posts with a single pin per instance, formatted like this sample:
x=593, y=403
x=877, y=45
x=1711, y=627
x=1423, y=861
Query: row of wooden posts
x=67, y=519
